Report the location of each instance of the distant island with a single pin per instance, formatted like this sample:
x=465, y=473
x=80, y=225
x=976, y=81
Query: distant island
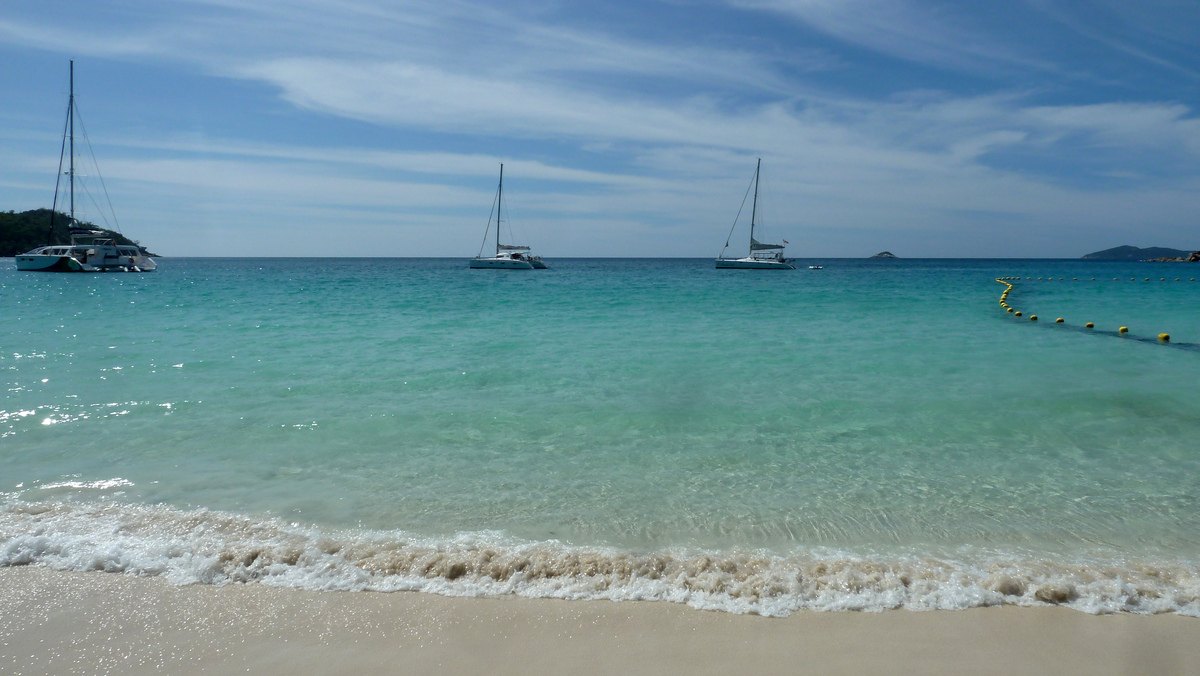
x=1132, y=253
x=25, y=231
x=884, y=254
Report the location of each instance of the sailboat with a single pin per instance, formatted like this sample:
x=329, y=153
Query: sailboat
x=90, y=250
x=761, y=256
x=508, y=256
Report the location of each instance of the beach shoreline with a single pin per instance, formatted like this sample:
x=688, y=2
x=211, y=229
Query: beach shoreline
x=55, y=622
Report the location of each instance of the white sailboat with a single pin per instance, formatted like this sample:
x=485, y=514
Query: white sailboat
x=761, y=256
x=90, y=250
x=508, y=256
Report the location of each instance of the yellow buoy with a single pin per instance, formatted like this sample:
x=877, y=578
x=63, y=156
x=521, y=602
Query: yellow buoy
x=1018, y=313
x=1074, y=279
x=1164, y=337
x=1090, y=325
x=1162, y=279
x=1147, y=279
x=1132, y=279
x=1123, y=329
x=1058, y=321
x=1010, y=309
x=1033, y=318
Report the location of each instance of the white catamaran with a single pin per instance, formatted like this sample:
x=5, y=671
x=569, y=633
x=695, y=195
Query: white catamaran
x=508, y=256
x=761, y=256
x=90, y=250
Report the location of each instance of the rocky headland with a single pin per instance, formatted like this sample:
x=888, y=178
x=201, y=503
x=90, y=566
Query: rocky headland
x=1133, y=253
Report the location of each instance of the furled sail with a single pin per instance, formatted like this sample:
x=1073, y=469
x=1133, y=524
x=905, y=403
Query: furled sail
x=756, y=245
x=513, y=247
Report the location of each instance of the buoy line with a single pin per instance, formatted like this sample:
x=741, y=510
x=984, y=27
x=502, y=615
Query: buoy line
x=1163, y=338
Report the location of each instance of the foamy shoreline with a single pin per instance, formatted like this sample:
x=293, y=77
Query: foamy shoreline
x=208, y=547
x=54, y=622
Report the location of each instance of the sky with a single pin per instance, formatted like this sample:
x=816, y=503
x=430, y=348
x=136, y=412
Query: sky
x=1023, y=128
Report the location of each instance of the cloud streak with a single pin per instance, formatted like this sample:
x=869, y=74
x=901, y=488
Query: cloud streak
x=647, y=129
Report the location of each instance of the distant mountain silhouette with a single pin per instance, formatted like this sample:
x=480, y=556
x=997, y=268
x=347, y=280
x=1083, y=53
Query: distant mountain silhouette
x=1132, y=253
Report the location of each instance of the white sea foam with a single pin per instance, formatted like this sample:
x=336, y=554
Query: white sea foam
x=207, y=547
x=100, y=485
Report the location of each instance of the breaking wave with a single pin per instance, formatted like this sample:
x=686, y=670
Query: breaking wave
x=207, y=547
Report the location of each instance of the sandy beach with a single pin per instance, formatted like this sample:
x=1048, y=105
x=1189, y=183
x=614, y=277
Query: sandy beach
x=100, y=623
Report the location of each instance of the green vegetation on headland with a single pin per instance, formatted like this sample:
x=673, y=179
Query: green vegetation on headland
x=30, y=229
x=1132, y=253
x=884, y=254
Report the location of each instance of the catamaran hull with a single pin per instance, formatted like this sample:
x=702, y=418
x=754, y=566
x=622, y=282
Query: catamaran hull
x=50, y=263
x=500, y=264
x=40, y=263
x=752, y=264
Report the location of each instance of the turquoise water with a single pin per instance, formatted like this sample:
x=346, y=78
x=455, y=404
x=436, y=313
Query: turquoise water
x=873, y=434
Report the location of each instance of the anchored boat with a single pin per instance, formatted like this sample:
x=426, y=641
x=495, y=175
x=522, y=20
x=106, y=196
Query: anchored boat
x=508, y=256
x=90, y=250
x=761, y=256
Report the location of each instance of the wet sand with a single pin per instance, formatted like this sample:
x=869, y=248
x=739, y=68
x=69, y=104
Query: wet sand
x=100, y=623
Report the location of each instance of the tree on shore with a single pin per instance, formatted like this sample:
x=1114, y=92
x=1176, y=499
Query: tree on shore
x=27, y=230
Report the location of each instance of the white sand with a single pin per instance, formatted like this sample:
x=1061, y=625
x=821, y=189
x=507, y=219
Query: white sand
x=98, y=623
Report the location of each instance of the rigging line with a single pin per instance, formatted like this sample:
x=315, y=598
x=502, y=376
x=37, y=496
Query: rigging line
x=764, y=200
x=93, y=200
x=735, y=219
x=512, y=236
x=58, y=179
x=96, y=164
x=489, y=224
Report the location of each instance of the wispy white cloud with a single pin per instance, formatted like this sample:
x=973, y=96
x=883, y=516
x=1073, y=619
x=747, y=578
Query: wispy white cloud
x=77, y=40
x=647, y=142
x=940, y=34
x=1158, y=32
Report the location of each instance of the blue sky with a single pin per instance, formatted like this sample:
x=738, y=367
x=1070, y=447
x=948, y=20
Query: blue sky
x=1022, y=128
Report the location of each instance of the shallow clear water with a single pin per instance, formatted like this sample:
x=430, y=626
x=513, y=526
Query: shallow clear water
x=825, y=435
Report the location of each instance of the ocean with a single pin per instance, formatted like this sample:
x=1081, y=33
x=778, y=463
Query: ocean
x=876, y=434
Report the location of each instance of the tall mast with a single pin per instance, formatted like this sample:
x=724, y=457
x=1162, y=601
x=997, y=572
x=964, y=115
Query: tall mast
x=499, y=197
x=71, y=117
x=754, y=206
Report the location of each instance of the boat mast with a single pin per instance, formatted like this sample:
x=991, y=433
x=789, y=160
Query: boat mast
x=754, y=206
x=71, y=119
x=499, y=197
